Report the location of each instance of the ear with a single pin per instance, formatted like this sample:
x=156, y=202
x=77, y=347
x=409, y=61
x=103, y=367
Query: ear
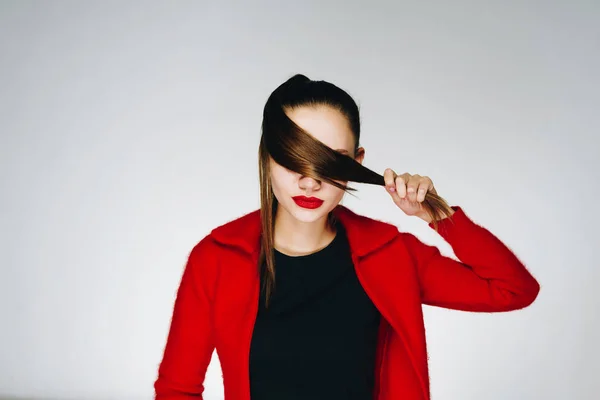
x=360, y=155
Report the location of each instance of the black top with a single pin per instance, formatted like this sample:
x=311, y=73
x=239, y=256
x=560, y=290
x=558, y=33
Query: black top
x=318, y=337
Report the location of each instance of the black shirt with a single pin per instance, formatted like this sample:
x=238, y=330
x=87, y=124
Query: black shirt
x=317, y=339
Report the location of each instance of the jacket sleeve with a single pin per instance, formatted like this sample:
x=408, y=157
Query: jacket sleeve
x=488, y=277
x=189, y=345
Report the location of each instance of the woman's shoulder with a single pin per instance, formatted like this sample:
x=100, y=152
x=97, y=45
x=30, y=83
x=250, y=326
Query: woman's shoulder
x=212, y=252
x=241, y=233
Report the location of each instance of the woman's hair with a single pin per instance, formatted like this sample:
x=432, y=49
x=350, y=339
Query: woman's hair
x=293, y=148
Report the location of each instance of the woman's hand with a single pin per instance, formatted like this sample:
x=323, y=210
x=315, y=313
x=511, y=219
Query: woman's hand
x=408, y=192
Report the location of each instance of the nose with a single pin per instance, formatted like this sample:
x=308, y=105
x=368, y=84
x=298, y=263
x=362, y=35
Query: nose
x=309, y=184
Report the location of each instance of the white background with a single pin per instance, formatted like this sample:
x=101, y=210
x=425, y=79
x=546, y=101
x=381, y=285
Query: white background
x=130, y=129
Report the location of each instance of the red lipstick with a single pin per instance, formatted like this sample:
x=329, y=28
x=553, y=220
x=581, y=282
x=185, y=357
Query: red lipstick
x=308, y=202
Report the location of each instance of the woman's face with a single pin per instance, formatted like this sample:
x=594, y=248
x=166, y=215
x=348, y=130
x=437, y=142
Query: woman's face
x=331, y=127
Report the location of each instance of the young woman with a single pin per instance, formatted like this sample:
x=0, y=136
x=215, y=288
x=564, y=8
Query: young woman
x=305, y=299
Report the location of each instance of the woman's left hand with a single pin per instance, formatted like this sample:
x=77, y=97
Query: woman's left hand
x=408, y=192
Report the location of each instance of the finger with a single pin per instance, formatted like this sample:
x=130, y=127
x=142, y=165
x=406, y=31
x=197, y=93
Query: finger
x=425, y=186
x=412, y=186
x=422, y=191
x=388, y=177
x=392, y=190
x=401, y=181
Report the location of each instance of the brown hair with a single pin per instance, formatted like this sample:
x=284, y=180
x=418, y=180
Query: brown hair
x=293, y=148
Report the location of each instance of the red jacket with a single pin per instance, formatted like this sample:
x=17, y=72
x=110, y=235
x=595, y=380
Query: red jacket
x=217, y=299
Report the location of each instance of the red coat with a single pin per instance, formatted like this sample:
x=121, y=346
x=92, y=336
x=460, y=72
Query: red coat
x=217, y=300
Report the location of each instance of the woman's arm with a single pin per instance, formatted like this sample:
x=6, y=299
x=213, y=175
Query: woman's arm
x=189, y=344
x=488, y=278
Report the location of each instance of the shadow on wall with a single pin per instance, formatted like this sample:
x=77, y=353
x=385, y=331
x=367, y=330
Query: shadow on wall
x=7, y=397
x=4, y=397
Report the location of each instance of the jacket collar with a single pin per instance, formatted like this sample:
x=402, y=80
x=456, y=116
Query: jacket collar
x=364, y=234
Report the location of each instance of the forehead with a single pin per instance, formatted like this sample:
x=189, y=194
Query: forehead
x=325, y=124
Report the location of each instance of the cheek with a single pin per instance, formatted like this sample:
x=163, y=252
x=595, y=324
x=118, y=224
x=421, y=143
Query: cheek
x=333, y=192
x=280, y=179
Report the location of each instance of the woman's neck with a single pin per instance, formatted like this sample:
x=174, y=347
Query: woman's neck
x=296, y=238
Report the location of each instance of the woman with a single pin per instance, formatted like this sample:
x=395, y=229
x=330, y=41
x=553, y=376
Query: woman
x=305, y=299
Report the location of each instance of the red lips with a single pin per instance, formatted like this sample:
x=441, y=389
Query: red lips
x=308, y=202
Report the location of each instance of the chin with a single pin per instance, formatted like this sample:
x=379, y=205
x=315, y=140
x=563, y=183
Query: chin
x=308, y=215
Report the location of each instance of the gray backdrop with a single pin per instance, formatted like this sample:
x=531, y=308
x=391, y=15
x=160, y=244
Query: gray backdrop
x=130, y=129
